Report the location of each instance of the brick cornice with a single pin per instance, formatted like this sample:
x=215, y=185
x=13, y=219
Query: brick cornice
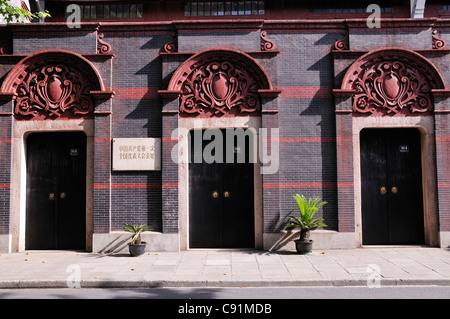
x=51, y=27
x=310, y=25
x=227, y=24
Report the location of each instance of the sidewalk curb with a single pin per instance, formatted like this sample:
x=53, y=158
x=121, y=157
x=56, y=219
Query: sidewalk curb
x=33, y=284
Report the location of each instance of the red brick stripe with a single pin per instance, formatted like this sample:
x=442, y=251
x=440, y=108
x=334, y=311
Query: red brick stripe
x=300, y=139
x=307, y=185
x=134, y=185
x=102, y=140
x=286, y=92
x=305, y=91
x=265, y=185
x=137, y=93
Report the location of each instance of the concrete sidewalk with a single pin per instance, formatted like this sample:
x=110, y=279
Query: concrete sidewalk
x=227, y=268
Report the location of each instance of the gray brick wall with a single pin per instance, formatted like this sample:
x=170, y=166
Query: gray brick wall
x=305, y=71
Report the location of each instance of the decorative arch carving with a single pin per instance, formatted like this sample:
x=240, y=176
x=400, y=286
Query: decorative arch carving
x=220, y=83
x=392, y=81
x=50, y=84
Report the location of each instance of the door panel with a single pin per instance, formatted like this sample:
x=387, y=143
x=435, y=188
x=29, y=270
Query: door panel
x=204, y=212
x=375, y=216
x=405, y=193
x=391, y=180
x=221, y=208
x=238, y=205
x=56, y=191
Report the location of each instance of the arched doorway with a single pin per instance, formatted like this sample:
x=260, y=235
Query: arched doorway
x=387, y=103
x=53, y=95
x=391, y=186
x=219, y=90
x=56, y=191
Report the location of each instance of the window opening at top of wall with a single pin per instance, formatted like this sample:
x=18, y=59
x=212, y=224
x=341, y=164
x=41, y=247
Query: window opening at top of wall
x=344, y=6
x=223, y=8
x=110, y=11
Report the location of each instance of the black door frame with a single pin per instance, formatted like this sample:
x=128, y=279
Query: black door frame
x=76, y=135
x=386, y=191
x=250, y=150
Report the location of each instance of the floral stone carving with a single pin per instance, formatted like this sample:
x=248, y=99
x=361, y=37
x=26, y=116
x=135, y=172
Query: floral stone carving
x=220, y=88
x=391, y=87
x=52, y=90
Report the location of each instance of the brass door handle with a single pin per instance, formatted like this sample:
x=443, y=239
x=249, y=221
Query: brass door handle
x=215, y=194
x=226, y=194
x=383, y=190
x=394, y=190
x=62, y=195
x=51, y=196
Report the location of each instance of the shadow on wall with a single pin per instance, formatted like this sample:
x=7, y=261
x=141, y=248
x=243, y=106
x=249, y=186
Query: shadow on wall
x=117, y=245
x=321, y=109
x=285, y=239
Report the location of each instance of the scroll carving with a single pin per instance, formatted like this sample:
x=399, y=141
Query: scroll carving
x=266, y=44
x=391, y=87
x=5, y=48
x=52, y=90
x=102, y=46
x=172, y=46
x=437, y=42
x=342, y=44
x=218, y=88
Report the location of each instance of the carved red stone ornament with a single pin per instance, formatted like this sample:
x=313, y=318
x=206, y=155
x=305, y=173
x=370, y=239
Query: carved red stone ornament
x=392, y=81
x=52, y=90
x=390, y=87
x=219, y=87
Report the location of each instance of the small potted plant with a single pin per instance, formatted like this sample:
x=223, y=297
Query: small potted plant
x=136, y=246
x=306, y=221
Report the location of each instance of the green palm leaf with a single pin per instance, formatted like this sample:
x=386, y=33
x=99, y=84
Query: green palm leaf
x=307, y=209
x=136, y=230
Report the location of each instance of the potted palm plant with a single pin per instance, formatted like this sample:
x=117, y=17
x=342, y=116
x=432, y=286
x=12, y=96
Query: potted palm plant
x=306, y=222
x=136, y=246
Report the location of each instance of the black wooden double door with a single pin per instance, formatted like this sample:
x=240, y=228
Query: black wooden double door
x=56, y=191
x=221, y=193
x=391, y=187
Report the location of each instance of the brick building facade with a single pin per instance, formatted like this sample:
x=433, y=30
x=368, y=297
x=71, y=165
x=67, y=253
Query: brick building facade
x=307, y=81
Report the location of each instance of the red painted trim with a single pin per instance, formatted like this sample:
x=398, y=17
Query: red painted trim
x=170, y=185
x=134, y=185
x=102, y=140
x=136, y=93
x=300, y=139
x=440, y=185
x=305, y=91
x=285, y=92
x=5, y=186
x=125, y=185
x=308, y=139
x=309, y=185
x=6, y=140
x=443, y=139
x=344, y=139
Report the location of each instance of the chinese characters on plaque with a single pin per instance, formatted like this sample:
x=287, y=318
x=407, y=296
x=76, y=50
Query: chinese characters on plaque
x=136, y=154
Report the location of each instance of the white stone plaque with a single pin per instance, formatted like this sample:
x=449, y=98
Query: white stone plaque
x=136, y=154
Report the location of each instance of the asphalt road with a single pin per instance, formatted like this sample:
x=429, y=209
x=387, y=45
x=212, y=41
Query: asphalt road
x=263, y=293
